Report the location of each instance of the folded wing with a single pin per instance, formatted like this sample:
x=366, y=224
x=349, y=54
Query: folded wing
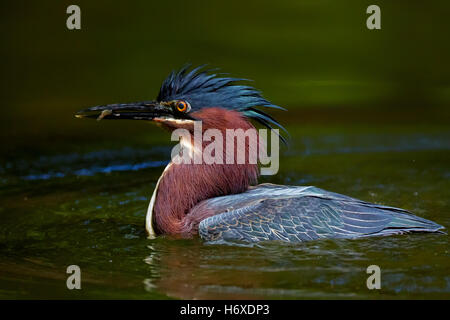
x=297, y=214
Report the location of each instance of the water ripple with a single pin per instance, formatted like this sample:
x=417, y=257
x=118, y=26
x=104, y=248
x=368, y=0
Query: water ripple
x=97, y=169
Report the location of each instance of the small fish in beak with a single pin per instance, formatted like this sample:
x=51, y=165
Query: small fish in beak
x=104, y=113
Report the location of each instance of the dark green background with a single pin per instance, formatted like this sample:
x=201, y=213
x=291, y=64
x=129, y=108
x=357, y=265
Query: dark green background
x=304, y=55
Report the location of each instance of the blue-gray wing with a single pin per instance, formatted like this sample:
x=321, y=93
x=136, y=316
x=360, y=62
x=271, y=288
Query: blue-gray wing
x=296, y=214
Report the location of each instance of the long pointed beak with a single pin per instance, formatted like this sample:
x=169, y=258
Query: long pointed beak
x=147, y=110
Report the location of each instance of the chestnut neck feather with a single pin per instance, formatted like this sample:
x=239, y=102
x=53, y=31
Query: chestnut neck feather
x=183, y=186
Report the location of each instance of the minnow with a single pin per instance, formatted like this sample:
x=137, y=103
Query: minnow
x=104, y=113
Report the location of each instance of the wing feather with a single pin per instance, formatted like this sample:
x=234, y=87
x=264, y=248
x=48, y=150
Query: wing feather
x=297, y=214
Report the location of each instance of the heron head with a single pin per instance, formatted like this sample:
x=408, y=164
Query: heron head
x=186, y=96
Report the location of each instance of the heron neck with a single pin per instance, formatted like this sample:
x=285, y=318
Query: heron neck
x=182, y=186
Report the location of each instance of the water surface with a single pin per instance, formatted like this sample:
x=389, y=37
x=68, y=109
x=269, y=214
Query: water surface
x=88, y=208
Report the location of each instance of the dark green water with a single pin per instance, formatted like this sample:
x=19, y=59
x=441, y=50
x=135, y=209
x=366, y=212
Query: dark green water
x=88, y=209
x=369, y=118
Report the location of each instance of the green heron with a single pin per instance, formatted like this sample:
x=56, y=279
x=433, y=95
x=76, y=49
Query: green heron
x=220, y=202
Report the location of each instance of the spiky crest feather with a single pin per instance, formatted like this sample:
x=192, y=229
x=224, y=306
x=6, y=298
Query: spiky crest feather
x=203, y=88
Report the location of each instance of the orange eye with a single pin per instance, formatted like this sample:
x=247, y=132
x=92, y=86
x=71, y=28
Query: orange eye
x=182, y=106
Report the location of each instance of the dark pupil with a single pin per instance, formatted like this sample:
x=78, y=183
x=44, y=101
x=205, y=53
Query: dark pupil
x=181, y=105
